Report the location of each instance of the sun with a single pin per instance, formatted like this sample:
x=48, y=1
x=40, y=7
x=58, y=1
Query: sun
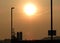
x=30, y=9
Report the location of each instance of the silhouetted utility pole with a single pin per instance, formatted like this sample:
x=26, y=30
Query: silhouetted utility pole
x=52, y=32
x=51, y=20
x=12, y=29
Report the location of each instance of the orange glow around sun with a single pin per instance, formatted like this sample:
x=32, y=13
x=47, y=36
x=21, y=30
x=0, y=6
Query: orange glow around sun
x=30, y=9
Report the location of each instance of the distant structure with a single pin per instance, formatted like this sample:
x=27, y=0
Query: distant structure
x=54, y=38
x=19, y=35
x=17, y=38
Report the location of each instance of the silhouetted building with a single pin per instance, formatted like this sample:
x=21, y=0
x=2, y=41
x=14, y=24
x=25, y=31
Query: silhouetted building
x=54, y=38
x=7, y=41
x=19, y=35
x=1, y=41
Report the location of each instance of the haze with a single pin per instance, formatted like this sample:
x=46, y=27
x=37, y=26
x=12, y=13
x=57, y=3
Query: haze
x=35, y=27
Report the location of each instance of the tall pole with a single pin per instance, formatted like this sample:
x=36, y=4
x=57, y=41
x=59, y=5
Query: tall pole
x=12, y=32
x=51, y=20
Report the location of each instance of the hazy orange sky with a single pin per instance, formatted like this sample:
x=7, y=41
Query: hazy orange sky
x=35, y=27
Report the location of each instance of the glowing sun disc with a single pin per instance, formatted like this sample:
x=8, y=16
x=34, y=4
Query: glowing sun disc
x=29, y=9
